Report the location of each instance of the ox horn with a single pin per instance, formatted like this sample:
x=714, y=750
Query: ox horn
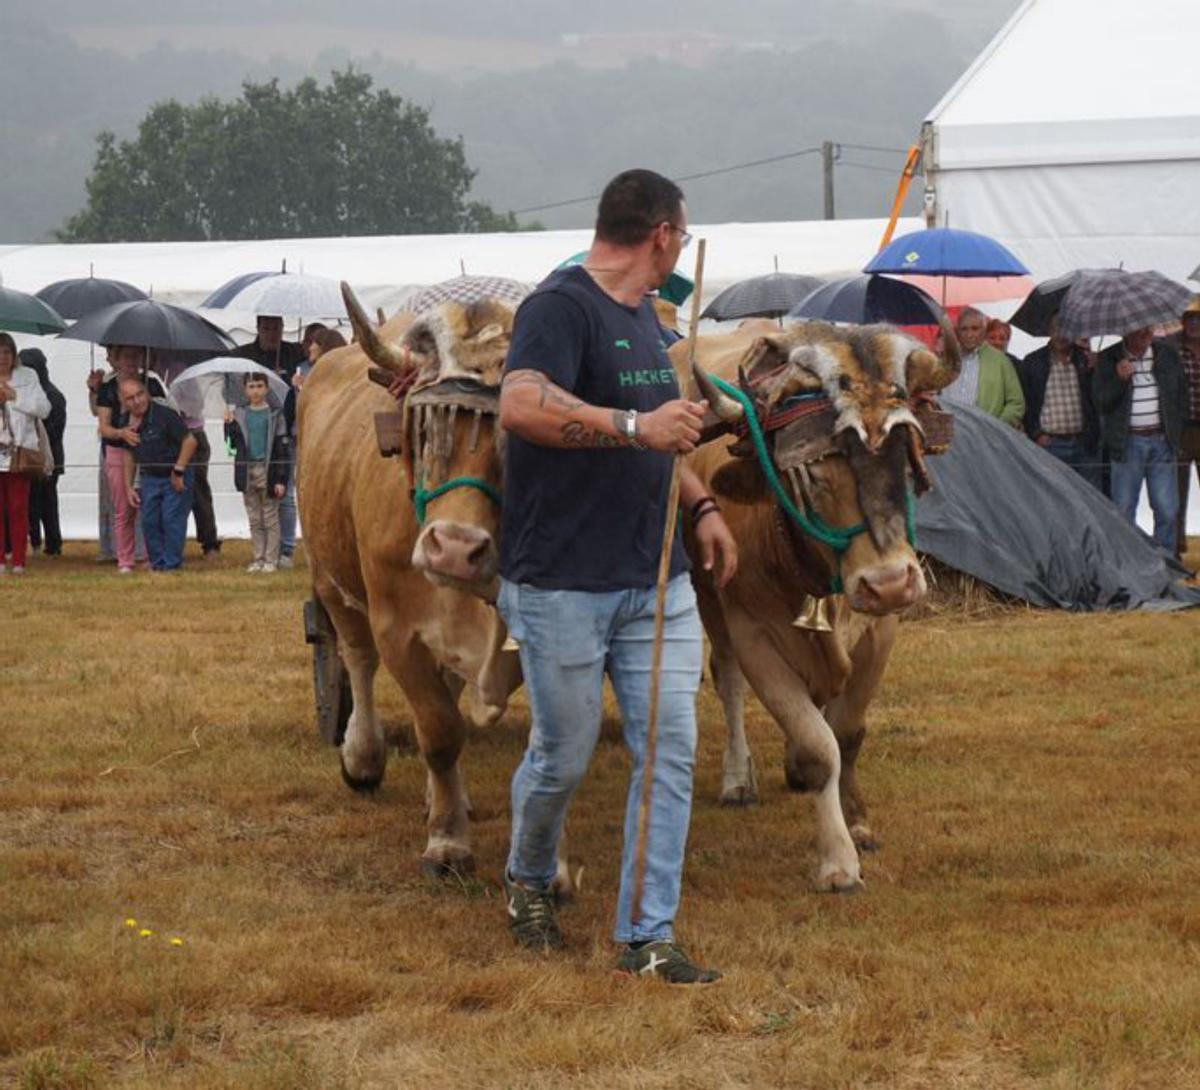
x=380, y=351
x=925, y=373
x=725, y=407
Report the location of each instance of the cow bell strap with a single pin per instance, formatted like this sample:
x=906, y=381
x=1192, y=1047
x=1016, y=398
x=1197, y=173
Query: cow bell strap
x=423, y=497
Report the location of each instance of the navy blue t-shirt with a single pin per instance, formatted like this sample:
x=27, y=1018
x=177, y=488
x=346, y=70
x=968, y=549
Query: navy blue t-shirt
x=590, y=518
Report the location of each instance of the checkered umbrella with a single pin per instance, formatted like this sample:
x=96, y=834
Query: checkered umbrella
x=1115, y=301
x=768, y=296
x=468, y=289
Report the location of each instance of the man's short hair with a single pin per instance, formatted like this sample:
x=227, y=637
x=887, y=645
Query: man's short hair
x=972, y=313
x=132, y=380
x=633, y=204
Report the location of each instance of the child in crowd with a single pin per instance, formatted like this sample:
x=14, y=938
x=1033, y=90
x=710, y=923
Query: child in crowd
x=262, y=456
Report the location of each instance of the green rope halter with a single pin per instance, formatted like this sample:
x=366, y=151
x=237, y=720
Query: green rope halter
x=837, y=538
x=423, y=497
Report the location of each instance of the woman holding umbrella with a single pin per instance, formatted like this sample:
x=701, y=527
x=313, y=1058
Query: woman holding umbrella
x=22, y=401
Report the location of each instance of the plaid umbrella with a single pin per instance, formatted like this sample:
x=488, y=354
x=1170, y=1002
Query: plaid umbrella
x=1115, y=301
x=769, y=296
x=468, y=289
x=1041, y=304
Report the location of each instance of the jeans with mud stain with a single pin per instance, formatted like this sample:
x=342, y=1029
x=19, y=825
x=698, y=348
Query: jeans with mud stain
x=568, y=641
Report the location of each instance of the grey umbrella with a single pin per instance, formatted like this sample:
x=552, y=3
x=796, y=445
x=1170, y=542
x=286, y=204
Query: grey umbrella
x=75, y=298
x=769, y=296
x=1114, y=301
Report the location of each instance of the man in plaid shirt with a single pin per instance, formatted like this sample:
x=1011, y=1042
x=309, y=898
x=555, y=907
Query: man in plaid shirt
x=1060, y=415
x=1188, y=343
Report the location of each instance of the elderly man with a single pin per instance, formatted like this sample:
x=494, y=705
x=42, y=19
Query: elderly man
x=1188, y=343
x=1060, y=415
x=587, y=472
x=1139, y=389
x=160, y=447
x=988, y=379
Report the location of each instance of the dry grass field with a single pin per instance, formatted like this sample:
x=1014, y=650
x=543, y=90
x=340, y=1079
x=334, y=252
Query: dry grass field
x=1033, y=919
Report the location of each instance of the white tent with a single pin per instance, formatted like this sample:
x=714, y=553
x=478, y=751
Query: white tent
x=383, y=271
x=1074, y=137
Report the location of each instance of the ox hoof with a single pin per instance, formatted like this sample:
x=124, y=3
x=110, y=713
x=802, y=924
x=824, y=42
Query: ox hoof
x=864, y=839
x=443, y=869
x=739, y=795
x=362, y=785
x=837, y=881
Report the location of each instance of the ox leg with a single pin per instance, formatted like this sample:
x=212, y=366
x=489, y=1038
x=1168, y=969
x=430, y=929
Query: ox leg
x=813, y=759
x=440, y=732
x=363, y=753
x=739, y=785
x=847, y=715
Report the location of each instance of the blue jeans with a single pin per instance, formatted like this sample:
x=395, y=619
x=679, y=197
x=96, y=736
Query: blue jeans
x=164, y=517
x=287, y=515
x=568, y=640
x=1149, y=458
x=1072, y=452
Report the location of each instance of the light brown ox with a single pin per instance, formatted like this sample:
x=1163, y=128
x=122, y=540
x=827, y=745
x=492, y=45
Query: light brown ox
x=414, y=596
x=816, y=685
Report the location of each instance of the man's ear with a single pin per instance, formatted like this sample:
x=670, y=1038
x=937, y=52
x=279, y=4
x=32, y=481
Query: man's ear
x=740, y=481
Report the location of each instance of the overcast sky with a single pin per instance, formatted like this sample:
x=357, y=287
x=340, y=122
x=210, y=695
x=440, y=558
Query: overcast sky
x=550, y=96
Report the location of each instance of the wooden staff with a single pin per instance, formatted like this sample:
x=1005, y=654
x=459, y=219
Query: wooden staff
x=660, y=605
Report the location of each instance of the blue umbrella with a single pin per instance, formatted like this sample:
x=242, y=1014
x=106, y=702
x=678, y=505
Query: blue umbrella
x=866, y=299
x=946, y=251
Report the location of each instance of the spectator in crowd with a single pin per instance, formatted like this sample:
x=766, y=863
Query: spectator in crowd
x=988, y=379
x=1060, y=415
x=270, y=350
x=1188, y=344
x=321, y=341
x=1139, y=389
x=998, y=334
x=127, y=362
x=43, y=491
x=22, y=402
x=160, y=456
x=106, y=552
x=262, y=459
x=169, y=367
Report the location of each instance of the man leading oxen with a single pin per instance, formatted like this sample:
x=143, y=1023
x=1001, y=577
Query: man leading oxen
x=818, y=494
x=403, y=564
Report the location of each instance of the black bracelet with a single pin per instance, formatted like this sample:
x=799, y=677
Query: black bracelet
x=698, y=504
x=714, y=509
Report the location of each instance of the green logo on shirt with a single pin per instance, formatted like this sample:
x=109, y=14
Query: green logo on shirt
x=663, y=376
x=623, y=343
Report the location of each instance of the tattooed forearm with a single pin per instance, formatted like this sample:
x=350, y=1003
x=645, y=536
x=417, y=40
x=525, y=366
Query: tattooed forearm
x=549, y=395
x=575, y=434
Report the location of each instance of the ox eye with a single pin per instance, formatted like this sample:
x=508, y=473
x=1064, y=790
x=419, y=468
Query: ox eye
x=844, y=382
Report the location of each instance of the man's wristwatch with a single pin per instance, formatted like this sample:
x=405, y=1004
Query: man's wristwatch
x=176, y=471
x=629, y=427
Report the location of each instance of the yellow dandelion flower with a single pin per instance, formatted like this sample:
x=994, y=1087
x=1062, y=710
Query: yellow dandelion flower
x=145, y=933
x=177, y=941
x=130, y=921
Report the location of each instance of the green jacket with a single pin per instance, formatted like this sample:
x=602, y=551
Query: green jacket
x=999, y=392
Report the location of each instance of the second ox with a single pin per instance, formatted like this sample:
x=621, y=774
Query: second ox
x=818, y=492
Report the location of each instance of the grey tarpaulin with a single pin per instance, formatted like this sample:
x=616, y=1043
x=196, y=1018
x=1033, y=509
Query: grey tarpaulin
x=1009, y=514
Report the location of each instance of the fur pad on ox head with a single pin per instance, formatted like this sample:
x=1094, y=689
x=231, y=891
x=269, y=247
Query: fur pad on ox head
x=456, y=340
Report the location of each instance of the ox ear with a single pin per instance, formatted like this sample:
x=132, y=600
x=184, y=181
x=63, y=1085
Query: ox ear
x=740, y=480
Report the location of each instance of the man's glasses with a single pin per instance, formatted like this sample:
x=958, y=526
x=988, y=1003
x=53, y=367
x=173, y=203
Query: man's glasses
x=685, y=237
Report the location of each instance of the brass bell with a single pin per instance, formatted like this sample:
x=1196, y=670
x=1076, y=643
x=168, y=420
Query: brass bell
x=813, y=616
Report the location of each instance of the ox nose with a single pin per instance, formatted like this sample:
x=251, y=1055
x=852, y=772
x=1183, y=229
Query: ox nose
x=451, y=550
x=887, y=588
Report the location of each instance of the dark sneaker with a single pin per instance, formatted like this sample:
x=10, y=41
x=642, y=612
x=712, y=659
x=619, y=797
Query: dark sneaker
x=531, y=917
x=666, y=961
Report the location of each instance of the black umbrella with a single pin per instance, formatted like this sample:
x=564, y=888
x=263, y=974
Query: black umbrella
x=149, y=324
x=75, y=298
x=768, y=296
x=866, y=299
